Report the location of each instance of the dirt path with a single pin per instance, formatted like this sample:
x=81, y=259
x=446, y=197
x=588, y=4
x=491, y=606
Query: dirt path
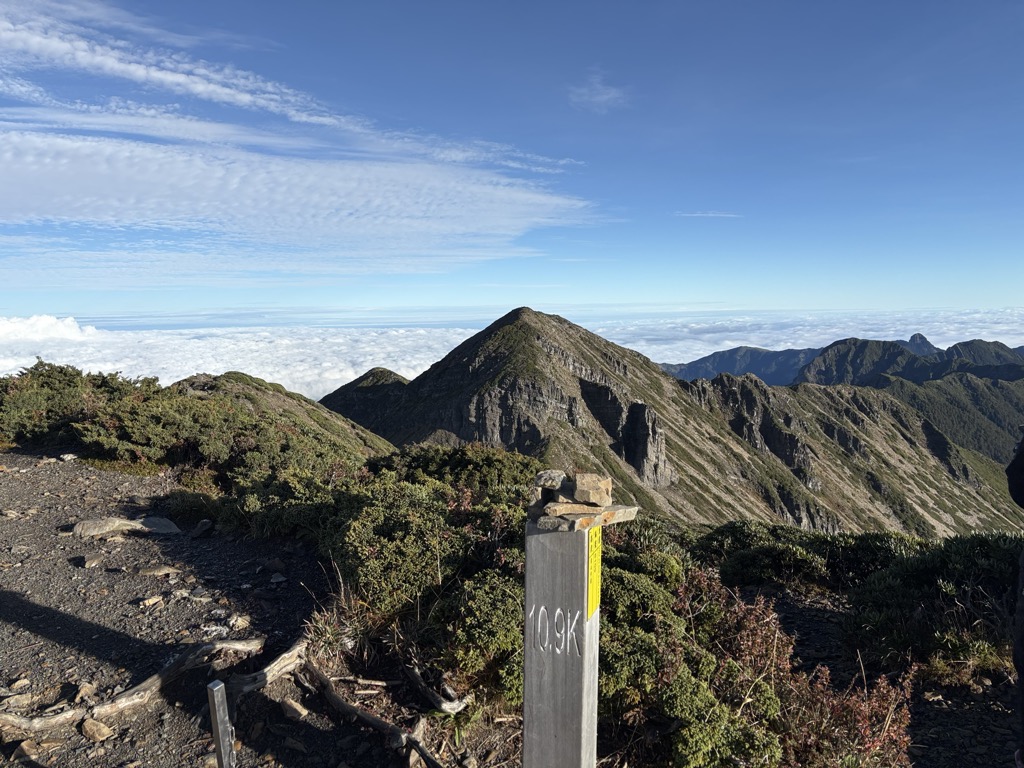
x=949, y=727
x=87, y=618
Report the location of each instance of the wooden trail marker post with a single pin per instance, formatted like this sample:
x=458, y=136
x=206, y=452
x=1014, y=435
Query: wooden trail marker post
x=223, y=731
x=563, y=615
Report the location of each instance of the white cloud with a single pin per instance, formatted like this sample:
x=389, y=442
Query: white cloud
x=130, y=189
x=597, y=96
x=328, y=216
x=684, y=337
x=317, y=360
x=312, y=361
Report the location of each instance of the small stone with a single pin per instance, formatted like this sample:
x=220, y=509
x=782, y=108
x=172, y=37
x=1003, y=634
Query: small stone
x=293, y=710
x=96, y=731
x=210, y=761
x=295, y=745
x=149, y=602
x=277, y=564
x=17, y=685
x=69, y=457
x=239, y=621
x=85, y=691
x=278, y=578
x=158, y=570
x=19, y=701
x=105, y=526
x=203, y=527
x=159, y=525
x=556, y=508
x=593, y=489
x=94, y=562
x=549, y=478
x=27, y=750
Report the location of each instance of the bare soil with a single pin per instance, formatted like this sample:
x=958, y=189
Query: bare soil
x=85, y=619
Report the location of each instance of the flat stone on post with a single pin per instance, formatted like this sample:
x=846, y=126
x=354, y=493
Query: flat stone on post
x=593, y=489
x=597, y=516
x=549, y=478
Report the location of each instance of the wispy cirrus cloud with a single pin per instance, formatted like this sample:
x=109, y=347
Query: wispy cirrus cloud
x=708, y=215
x=146, y=190
x=598, y=96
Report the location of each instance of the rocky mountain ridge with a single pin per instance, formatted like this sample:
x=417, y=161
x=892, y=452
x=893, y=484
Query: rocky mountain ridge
x=822, y=457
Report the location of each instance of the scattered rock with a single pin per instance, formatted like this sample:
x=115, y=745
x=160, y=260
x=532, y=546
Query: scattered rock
x=17, y=685
x=105, y=526
x=95, y=731
x=85, y=691
x=19, y=701
x=69, y=457
x=203, y=527
x=93, y=562
x=158, y=570
x=159, y=525
x=293, y=710
x=275, y=564
x=149, y=602
x=27, y=750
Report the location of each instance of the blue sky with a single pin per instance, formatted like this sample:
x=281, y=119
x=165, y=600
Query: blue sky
x=249, y=160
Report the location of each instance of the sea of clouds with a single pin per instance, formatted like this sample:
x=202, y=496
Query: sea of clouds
x=317, y=360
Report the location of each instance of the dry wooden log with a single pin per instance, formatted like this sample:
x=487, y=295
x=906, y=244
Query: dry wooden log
x=288, y=661
x=436, y=700
x=144, y=691
x=133, y=697
x=43, y=723
x=398, y=738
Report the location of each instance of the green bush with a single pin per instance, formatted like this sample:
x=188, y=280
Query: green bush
x=950, y=605
x=486, y=474
x=398, y=544
x=43, y=402
x=784, y=563
x=486, y=632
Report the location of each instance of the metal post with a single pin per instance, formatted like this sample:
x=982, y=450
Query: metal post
x=223, y=731
x=563, y=594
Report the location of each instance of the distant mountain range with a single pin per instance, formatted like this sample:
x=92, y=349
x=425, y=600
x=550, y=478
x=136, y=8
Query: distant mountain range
x=875, y=435
x=974, y=390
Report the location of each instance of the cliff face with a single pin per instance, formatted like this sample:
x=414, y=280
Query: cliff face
x=532, y=383
x=821, y=457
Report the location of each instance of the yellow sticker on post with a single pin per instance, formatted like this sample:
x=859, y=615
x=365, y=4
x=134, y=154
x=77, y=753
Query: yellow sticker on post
x=593, y=570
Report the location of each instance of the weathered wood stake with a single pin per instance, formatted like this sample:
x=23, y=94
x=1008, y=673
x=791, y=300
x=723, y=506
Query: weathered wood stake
x=562, y=611
x=223, y=731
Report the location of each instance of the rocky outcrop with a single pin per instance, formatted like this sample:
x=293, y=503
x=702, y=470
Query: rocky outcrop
x=755, y=416
x=1015, y=475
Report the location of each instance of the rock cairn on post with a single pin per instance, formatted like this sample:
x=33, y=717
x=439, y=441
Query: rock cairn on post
x=563, y=503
